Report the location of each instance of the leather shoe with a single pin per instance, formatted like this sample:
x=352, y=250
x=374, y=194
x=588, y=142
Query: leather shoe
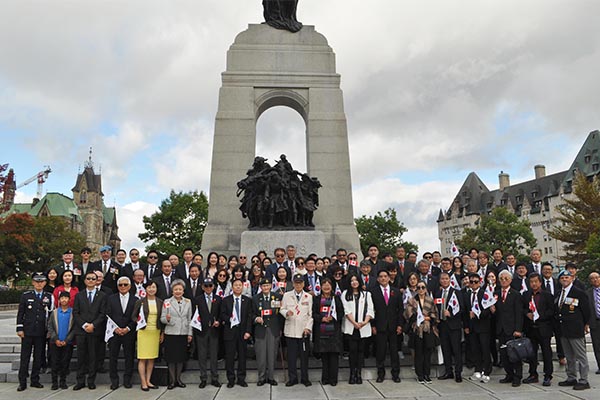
x=230, y=384
x=54, y=386
x=333, y=383
x=127, y=385
x=153, y=387
x=307, y=383
x=21, y=388
x=242, y=383
x=506, y=379
x=446, y=376
x=516, y=383
x=260, y=383
x=202, y=384
x=531, y=379
x=598, y=372
x=396, y=379
x=379, y=379
x=568, y=382
x=458, y=379
x=170, y=386
x=145, y=389
x=581, y=386
x=215, y=383
x=180, y=384
x=78, y=386
x=291, y=383
x=273, y=382
x=114, y=386
x=547, y=382
x=36, y=385
x=91, y=386
x=63, y=385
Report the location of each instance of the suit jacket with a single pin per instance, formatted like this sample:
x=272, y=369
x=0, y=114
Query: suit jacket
x=432, y=282
x=545, y=308
x=271, y=321
x=115, y=311
x=161, y=288
x=501, y=266
x=308, y=288
x=555, y=284
x=272, y=270
x=127, y=270
x=143, y=305
x=509, y=313
x=301, y=318
x=207, y=318
x=517, y=283
x=574, y=313
x=594, y=321
x=387, y=316
x=187, y=292
x=408, y=268
x=531, y=269
x=146, y=269
x=86, y=312
x=245, y=325
x=181, y=272
x=113, y=273
x=181, y=316
x=481, y=324
x=371, y=284
x=78, y=275
x=454, y=321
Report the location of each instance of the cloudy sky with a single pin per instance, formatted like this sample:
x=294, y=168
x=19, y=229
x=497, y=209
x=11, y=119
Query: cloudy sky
x=433, y=90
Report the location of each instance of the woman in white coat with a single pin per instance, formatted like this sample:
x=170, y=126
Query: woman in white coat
x=358, y=308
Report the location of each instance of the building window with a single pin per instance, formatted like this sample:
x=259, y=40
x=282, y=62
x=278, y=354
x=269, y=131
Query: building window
x=519, y=199
x=534, y=194
x=545, y=250
x=550, y=250
x=595, y=167
x=83, y=196
x=587, y=159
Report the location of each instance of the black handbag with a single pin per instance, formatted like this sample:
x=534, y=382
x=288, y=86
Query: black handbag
x=519, y=349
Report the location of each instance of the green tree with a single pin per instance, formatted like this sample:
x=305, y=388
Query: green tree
x=179, y=223
x=579, y=219
x=16, y=244
x=500, y=229
x=384, y=230
x=52, y=237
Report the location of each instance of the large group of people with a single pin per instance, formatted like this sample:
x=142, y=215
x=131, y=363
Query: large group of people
x=329, y=308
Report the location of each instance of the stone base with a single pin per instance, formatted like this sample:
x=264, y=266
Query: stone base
x=306, y=242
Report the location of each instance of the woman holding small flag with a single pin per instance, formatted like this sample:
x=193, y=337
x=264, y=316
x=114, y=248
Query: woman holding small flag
x=282, y=282
x=146, y=314
x=422, y=318
x=328, y=312
x=176, y=316
x=358, y=309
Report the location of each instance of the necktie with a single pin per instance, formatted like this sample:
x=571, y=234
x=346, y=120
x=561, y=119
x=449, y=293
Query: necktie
x=151, y=271
x=385, y=296
x=444, y=296
x=366, y=279
x=237, y=307
x=312, y=282
x=168, y=285
x=503, y=295
x=194, y=289
x=123, y=303
x=597, y=294
x=105, y=268
x=39, y=296
x=562, y=298
x=473, y=299
x=298, y=297
x=91, y=297
x=209, y=303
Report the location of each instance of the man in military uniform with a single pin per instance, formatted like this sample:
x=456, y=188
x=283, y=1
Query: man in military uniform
x=267, y=331
x=34, y=307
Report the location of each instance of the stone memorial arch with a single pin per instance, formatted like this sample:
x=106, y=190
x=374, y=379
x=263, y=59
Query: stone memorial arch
x=267, y=67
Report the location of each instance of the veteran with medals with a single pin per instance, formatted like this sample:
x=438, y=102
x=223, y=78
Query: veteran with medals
x=267, y=331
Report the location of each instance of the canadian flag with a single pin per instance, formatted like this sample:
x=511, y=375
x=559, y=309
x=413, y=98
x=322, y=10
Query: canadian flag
x=533, y=309
x=267, y=312
x=141, y=320
x=196, y=322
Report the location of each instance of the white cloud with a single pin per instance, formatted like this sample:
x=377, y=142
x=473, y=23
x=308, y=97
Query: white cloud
x=129, y=219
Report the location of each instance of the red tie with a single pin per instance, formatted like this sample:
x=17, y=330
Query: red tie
x=385, y=296
x=367, y=279
x=503, y=295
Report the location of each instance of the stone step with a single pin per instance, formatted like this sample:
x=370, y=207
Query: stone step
x=10, y=348
x=12, y=339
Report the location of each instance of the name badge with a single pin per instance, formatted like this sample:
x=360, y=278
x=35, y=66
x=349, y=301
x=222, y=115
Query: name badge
x=304, y=303
x=571, y=301
x=76, y=271
x=114, y=271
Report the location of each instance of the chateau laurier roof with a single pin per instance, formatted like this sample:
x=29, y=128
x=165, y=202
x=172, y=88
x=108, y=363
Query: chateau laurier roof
x=475, y=198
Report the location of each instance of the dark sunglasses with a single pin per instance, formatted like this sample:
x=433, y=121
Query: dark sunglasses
x=89, y=278
x=421, y=287
x=135, y=254
x=152, y=257
x=123, y=284
x=473, y=281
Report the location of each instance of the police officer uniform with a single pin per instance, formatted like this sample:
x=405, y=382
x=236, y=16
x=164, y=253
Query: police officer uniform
x=267, y=333
x=34, y=309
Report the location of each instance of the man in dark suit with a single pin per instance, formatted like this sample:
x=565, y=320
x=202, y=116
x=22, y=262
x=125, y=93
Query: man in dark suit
x=574, y=313
x=450, y=328
x=519, y=281
x=134, y=264
x=119, y=309
x=68, y=264
x=404, y=266
x=183, y=269
x=497, y=261
x=374, y=260
x=193, y=283
x=426, y=275
x=477, y=325
x=89, y=312
x=484, y=265
x=279, y=262
x=164, y=281
x=366, y=277
x=267, y=330
x=536, y=262
x=388, y=323
x=342, y=260
x=593, y=294
x=552, y=285
x=237, y=322
x=207, y=340
x=109, y=268
x=510, y=264
x=509, y=325
x=539, y=313
x=312, y=281
x=152, y=270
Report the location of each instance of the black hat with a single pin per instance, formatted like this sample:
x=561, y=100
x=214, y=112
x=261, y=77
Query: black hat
x=208, y=282
x=64, y=294
x=265, y=281
x=86, y=250
x=68, y=252
x=298, y=278
x=38, y=277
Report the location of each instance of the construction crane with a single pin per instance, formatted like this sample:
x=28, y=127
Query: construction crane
x=40, y=177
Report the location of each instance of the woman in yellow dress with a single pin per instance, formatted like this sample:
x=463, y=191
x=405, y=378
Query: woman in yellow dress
x=149, y=337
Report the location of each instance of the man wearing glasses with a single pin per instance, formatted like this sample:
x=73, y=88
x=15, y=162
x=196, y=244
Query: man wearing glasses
x=151, y=270
x=119, y=309
x=279, y=262
x=477, y=325
x=89, y=313
x=134, y=264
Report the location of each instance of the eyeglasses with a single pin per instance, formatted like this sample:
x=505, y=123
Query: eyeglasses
x=211, y=285
x=152, y=257
x=279, y=255
x=351, y=258
x=222, y=276
x=300, y=263
x=504, y=278
x=243, y=257
x=473, y=281
x=428, y=257
x=89, y=278
x=421, y=288
x=123, y=284
x=338, y=274
x=135, y=254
